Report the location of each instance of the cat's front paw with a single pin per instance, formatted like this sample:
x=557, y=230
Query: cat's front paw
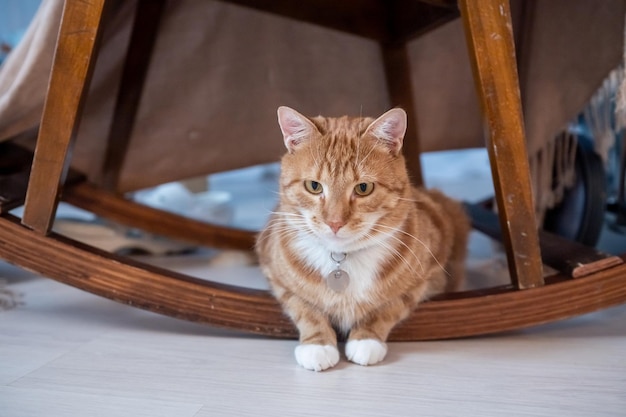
x=317, y=357
x=366, y=351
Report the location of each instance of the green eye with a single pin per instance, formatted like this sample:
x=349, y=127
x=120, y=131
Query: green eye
x=313, y=187
x=364, y=188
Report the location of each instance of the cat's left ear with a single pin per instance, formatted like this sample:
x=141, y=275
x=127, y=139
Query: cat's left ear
x=390, y=128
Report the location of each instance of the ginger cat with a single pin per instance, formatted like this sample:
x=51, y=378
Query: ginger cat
x=353, y=247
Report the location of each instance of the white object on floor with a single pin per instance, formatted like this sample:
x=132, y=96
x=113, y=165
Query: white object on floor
x=211, y=206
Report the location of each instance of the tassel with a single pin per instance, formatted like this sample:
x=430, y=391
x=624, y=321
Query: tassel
x=620, y=96
x=599, y=112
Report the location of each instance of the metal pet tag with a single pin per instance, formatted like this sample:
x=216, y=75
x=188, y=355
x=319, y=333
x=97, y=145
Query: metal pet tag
x=338, y=280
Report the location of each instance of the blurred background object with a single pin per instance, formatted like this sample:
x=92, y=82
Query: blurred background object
x=15, y=15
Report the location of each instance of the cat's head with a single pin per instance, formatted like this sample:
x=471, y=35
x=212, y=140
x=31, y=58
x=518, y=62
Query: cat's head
x=344, y=180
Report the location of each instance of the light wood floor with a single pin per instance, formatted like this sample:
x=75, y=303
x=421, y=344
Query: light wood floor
x=64, y=352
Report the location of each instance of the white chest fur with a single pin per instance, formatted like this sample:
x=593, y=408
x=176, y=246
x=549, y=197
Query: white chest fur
x=362, y=267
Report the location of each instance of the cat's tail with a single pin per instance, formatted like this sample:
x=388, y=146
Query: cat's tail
x=461, y=226
x=456, y=263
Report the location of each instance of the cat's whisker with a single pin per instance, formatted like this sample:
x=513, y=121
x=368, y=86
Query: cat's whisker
x=316, y=159
x=360, y=163
x=396, y=253
x=361, y=132
x=421, y=243
x=294, y=220
x=390, y=235
x=285, y=224
x=295, y=224
x=281, y=231
x=378, y=228
x=287, y=213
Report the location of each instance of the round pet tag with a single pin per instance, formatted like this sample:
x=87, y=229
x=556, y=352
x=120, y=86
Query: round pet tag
x=338, y=280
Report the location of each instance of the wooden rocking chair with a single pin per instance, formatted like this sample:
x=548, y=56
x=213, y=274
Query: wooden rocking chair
x=587, y=280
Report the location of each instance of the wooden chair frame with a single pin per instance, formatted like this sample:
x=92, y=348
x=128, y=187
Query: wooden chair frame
x=528, y=300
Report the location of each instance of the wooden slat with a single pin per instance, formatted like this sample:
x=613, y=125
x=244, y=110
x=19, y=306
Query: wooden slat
x=113, y=207
x=398, y=77
x=408, y=19
x=573, y=258
x=568, y=257
x=78, y=37
x=255, y=311
x=361, y=17
x=384, y=21
x=145, y=29
x=490, y=42
x=450, y=4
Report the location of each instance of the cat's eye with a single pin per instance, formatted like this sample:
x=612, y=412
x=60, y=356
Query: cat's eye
x=313, y=187
x=364, y=188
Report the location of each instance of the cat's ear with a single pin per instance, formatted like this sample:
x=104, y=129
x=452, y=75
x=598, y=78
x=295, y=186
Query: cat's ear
x=390, y=128
x=295, y=127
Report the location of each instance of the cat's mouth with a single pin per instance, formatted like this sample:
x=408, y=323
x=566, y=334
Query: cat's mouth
x=343, y=241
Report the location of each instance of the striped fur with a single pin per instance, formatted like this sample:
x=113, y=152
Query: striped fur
x=403, y=244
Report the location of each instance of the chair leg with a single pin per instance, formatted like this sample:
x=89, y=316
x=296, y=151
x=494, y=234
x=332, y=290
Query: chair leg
x=145, y=29
x=71, y=72
x=398, y=76
x=489, y=36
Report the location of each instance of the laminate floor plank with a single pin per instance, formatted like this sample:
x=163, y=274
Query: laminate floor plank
x=17, y=402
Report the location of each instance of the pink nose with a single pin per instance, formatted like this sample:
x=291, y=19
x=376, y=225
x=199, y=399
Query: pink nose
x=335, y=226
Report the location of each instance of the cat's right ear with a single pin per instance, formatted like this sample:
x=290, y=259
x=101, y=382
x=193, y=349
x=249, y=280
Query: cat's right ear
x=295, y=127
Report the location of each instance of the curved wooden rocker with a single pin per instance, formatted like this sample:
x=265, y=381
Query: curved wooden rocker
x=529, y=300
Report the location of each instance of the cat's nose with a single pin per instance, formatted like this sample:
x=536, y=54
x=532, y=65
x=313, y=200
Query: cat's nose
x=335, y=226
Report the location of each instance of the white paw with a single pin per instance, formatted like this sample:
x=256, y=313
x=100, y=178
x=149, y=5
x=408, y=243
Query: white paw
x=317, y=357
x=366, y=351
